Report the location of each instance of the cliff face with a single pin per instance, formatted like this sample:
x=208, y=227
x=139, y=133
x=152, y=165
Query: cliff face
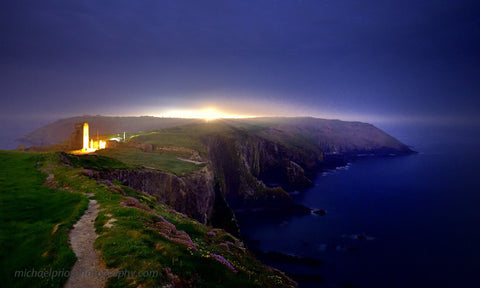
x=193, y=195
x=273, y=163
x=245, y=163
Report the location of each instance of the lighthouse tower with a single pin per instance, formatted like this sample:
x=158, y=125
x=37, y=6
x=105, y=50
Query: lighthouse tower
x=85, y=137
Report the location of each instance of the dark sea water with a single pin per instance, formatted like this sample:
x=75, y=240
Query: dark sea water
x=419, y=215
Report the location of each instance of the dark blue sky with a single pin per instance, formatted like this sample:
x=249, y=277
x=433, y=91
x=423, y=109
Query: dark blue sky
x=366, y=60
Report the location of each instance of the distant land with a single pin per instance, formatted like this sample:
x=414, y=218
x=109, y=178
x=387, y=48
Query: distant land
x=332, y=135
x=206, y=170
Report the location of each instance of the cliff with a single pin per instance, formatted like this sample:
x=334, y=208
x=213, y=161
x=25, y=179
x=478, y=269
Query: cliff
x=193, y=194
x=248, y=164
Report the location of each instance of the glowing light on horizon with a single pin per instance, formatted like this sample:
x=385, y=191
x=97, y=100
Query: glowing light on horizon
x=208, y=114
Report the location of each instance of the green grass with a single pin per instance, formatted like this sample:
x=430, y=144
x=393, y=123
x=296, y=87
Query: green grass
x=28, y=214
x=160, y=161
x=95, y=162
x=131, y=157
x=171, y=138
x=190, y=136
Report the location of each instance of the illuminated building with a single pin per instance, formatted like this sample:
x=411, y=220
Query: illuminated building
x=80, y=140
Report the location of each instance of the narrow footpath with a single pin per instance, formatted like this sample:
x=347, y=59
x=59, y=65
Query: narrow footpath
x=82, y=238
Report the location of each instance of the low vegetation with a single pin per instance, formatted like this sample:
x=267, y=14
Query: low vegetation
x=34, y=221
x=135, y=232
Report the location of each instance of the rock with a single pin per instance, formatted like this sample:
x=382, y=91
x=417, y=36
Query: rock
x=296, y=176
x=320, y=212
x=193, y=195
x=148, y=147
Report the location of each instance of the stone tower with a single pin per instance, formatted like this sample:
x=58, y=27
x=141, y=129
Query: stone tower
x=77, y=138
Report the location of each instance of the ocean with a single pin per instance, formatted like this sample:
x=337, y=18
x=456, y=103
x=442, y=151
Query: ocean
x=409, y=221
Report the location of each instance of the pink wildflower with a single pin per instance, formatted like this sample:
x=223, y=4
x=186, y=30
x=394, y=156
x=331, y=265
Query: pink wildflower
x=224, y=261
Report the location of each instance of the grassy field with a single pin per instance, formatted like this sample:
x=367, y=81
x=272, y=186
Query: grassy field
x=190, y=136
x=34, y=221
x=161, y=161
x=144, y=235
x=170, y=138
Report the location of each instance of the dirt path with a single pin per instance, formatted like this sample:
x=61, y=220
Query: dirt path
x=82, y=238
x=191, y=161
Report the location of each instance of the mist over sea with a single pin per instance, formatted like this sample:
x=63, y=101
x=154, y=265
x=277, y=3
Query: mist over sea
x=409, y=221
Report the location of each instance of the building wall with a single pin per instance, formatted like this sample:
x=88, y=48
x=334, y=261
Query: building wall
x=76, y=138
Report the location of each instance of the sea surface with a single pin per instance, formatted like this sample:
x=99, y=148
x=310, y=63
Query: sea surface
x=409, y=221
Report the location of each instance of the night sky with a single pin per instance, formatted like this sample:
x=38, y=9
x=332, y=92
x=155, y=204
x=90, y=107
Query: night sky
x=354, y=60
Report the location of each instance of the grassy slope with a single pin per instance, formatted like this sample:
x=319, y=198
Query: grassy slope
x=192, y=135
x=134, y=243
x=187, y=136
x=131, y=157
x=28, y=214
x=162, y=161
x=175, y=143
